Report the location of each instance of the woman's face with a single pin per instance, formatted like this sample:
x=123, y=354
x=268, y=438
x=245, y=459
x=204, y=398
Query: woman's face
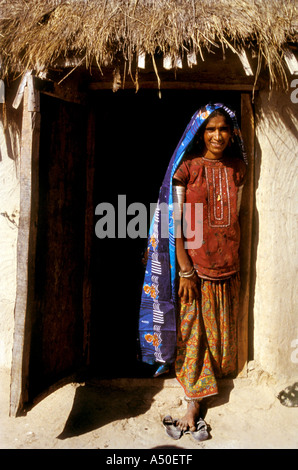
x=216, y=137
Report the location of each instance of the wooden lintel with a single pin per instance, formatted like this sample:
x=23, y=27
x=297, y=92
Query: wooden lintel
x=177, y=85
x=66, y=93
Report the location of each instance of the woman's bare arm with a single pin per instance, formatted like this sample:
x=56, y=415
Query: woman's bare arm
x=188, y=287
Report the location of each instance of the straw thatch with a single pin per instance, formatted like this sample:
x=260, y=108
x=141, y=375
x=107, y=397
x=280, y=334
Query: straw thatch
x=34, y=34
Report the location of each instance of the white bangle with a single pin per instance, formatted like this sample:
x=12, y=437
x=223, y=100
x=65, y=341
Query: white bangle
x=188, y=273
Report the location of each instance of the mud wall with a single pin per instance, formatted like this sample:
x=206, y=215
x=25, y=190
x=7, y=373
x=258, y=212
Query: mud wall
x=275, y=319
x=9, y=216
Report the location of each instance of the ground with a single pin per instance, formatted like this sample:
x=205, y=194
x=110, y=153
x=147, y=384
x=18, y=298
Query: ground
x=127, y=414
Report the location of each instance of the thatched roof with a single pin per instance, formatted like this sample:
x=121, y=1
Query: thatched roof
x=34, y=34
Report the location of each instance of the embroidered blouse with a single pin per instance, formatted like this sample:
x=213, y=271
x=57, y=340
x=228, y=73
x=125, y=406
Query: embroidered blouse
x=217, y=184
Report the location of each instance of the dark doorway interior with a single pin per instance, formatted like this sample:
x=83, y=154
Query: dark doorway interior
x=136, y=134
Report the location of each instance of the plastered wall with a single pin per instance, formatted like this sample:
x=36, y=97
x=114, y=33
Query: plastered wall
x=275, y=313
x=9, y=218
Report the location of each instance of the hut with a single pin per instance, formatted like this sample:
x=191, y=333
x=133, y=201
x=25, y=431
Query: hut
x=94, y=96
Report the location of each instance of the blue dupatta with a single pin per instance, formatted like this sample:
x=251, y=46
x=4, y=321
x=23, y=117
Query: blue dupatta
x=158, y=309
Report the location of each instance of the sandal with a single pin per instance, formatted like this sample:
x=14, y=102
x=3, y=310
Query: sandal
x=172, y=429
x=201, y=433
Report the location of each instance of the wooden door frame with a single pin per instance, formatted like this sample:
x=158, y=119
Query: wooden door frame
x=246, y=222
x=26, y=248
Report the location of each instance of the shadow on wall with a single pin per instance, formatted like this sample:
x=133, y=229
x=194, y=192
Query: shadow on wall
x=277, y=110
x=11, y=119
x=254, y=249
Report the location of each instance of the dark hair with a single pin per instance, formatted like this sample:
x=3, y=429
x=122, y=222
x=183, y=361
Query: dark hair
x=218, y=112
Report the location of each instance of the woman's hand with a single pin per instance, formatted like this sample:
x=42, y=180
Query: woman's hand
x=188, y=288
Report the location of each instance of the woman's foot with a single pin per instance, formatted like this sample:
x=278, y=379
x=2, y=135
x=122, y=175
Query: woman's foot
x=188, y=422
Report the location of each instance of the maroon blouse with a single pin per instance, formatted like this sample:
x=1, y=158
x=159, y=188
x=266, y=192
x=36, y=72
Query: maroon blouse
x=215, y=183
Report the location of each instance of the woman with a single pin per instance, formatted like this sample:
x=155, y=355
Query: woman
x=207, y=168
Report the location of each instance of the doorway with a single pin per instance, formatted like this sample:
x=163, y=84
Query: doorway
x=84, y=292
x=136, y=135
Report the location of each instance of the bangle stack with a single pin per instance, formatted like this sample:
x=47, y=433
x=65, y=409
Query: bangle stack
x=188, y=273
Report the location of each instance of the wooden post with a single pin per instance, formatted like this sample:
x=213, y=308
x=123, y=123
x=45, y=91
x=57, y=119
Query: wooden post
x=26, y=249
x=246, y=222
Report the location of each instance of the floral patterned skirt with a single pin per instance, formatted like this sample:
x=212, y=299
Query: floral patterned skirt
x=207, y=337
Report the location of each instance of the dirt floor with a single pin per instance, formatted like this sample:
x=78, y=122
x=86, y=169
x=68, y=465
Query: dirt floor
x=127, y=414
